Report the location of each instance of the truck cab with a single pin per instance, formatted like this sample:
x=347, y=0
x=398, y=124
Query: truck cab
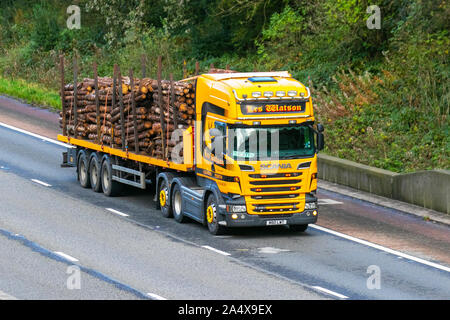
x=255, y=154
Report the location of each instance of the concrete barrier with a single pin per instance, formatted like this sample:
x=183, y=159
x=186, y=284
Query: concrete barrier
x=429, y=189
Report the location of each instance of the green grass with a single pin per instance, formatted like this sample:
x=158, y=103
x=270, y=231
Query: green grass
x=32, y=93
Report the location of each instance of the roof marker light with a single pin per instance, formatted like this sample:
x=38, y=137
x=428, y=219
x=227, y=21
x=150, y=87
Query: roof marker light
x=268, y=94
x=281, y=93
x=292, y=93
x=256, y=94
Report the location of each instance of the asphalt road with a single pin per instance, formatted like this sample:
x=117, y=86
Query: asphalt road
x=123, y=257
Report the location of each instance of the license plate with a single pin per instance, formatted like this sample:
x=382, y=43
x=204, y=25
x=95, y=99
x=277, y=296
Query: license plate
x=275, y=222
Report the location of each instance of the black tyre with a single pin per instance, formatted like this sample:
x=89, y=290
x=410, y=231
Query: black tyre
x=211, y=214
x=83, y=170
x=177, y=205
x=110, y=187
x=163, y=198
x=95, y=173
x=298, y=227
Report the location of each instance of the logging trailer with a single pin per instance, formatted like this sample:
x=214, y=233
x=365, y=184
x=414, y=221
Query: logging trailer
x=250, y=159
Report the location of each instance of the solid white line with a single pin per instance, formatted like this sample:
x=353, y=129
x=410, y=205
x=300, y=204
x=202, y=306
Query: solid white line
x=330, y=292
x=216, y=250
x=155, y=296
x=66, y=256
x=117, y=212
x=376, y=246
x=5, y=296
x=41, y=183
x=36, y=135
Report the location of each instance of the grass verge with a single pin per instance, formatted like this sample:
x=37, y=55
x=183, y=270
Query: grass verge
x=32, y=93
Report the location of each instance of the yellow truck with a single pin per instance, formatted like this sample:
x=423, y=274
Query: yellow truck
x=250, y=159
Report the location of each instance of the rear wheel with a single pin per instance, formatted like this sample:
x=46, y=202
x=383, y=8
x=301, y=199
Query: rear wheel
x=298, y=227
x=110, y=187
x=177, y=205
x=94, y=173
x=83, y=170
x=211, y=214
x=163, y=197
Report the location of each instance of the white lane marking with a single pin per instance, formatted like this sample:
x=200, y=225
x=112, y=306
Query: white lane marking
x=328, y=201
x=36, y=135
x=41, y=183
x=330, y=292
x=217, y=250
x=66, y=256
x=376, y=246
x=5, y=296
x=117, y=212
x=271, y=250
x=155, y=296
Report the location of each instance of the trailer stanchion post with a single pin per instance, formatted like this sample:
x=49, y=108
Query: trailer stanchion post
x=172, y=102
x=197, y=68
x=97, y=101
x=144, y=65
x=122, y=115
x=63, y=98
x=75, y=93
x=133, y=106
x=113, y=103
x=184, y=69
x=161, y=107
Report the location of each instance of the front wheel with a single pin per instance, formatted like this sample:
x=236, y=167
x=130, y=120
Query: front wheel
x=212, y=213
x=163, y=197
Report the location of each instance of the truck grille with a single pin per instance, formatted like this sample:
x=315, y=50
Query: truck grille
x=275, y=189
x=273, y=207
x=275, y=175
x=274, y=194
x=272, y=182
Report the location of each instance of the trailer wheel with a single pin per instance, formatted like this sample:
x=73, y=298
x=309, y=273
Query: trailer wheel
x=298, y=227
x=177, y=205
x=163, y=198
x=110, y=187
x=211, y=216
x=94, y=173
x=83, y=170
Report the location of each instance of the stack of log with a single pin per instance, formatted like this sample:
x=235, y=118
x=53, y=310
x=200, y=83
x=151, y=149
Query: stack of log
x=152, y=129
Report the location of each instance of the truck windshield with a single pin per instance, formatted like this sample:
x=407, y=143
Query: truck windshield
x=271, y=143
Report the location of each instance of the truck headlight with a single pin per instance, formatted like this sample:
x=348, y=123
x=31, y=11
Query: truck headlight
x=237, y=208
x=310, y=205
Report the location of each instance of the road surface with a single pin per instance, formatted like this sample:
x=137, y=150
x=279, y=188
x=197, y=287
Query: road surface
x=125, y=249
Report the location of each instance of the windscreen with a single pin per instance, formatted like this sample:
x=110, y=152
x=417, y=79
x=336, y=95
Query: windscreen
x=271, y=143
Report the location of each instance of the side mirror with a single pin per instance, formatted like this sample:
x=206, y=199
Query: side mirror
x=320, y=141
x=320, y=127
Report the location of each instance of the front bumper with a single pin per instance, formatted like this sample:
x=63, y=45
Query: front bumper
x=254, y=220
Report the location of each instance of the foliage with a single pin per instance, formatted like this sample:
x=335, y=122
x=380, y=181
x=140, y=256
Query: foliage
x=383, y=94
